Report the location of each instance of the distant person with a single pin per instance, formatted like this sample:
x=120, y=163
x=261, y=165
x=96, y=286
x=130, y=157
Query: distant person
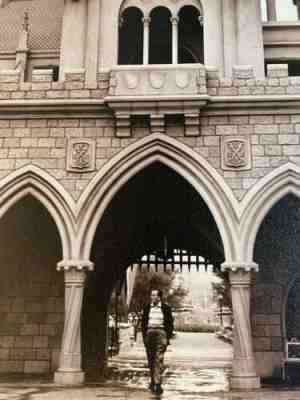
x=157, y=330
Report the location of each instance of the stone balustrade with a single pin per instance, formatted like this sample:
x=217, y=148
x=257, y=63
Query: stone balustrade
x=158, y=80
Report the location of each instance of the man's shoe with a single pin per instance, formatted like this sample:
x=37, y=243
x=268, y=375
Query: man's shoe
x=152, y=387
x=158, y=389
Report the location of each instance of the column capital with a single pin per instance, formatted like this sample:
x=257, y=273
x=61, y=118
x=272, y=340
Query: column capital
x=146, y=20
x=235, y=266
x=77, y=265
x=201, y=19
x=174, y=19
x=240, y=278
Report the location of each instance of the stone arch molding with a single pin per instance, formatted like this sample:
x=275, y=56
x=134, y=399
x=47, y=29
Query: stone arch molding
x=259, y=201
x=31, y=180
x=177, y=156
x=174, y=6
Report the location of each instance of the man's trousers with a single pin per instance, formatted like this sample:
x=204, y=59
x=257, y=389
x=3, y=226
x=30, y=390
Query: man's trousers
x=156, y=345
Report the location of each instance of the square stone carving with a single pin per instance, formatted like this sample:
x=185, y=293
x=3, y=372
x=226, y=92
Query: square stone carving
x=236, y=153
x=81, y=155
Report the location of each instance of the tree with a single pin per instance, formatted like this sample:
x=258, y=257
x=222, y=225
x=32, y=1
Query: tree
x=222, y=289
x=173, y=294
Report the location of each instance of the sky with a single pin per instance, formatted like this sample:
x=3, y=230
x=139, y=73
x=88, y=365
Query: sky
x=286, y=10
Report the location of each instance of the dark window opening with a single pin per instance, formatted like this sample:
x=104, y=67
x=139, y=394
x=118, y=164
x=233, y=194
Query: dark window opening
x=131, y=37
x=190, y=36
x=160, y=36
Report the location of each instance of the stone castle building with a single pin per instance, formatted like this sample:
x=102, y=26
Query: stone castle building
x=125, y=122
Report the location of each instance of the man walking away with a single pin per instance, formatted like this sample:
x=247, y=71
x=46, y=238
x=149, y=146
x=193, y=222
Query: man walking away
x=157, y=330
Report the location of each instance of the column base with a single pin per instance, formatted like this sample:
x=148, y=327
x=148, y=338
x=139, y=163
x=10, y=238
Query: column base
x=244, y=382
x=69, y=377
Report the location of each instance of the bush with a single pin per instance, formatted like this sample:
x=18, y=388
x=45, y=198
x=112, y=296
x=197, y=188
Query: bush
x=197, y=327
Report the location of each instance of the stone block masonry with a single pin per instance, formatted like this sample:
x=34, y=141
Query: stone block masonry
x=42, y=139
x=244, y=83
x=39, y=120
x=43, y=142
x=30, y=333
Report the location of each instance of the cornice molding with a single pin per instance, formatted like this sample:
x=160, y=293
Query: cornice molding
x=89, y=108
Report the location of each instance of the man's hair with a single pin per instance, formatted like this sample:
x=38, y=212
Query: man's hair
x=159, y=292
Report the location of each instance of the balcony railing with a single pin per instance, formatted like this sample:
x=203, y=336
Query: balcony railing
x=158, y=80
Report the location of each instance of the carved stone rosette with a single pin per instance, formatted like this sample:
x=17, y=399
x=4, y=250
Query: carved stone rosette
x=70, y=371
x=244, y=374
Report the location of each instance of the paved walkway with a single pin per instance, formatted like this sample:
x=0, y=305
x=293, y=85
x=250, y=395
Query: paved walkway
x=197, y=368
x=35, y=391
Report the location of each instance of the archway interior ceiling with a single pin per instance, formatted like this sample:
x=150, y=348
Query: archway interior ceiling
x=277, y=248
x=275, y=290
x=156, y=204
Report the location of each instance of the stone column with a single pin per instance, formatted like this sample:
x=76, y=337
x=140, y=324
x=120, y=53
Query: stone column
x=174, y=21
x=146, y=47
x=92, y=40
x=229, y=36
x=244, y=376
x=73, y=41
x=271, y=10
x=250, y=48
x=70, y=371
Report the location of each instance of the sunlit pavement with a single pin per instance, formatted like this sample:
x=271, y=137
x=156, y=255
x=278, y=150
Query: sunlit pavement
x=196, y=368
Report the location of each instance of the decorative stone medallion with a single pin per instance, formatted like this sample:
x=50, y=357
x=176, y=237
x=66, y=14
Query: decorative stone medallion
x=236, y=153
x=182, y=79
x=81, y=156
x=131, y=80
x=157, y=79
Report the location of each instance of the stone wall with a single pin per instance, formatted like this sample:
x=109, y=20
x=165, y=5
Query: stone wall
x=273, y=138
x=42, y=86
x=244, y=82
x=32, y=315
x=31, y=291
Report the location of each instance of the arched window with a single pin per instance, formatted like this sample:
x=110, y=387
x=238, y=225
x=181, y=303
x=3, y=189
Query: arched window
x=190, y=48
x=168, y=34
x=131, y=37
x=160, y=49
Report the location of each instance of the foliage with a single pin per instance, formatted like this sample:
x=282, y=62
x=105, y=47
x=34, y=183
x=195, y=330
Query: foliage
x=197, y=327
x=222, y=289
x=145, y=281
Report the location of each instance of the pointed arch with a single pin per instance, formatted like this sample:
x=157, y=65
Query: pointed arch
x=31, y=180
x=183, y=160
x=261, y=198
